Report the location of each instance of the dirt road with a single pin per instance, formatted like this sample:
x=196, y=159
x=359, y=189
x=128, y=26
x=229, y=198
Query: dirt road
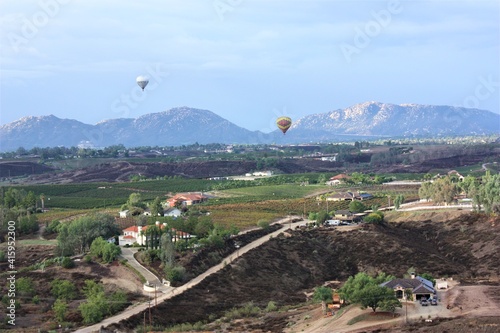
x=474, y=301
x=170, y=292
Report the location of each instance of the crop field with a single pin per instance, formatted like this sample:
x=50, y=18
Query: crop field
x=100, y=195
x=245, y=215
x=243, y=207
x=274, y=191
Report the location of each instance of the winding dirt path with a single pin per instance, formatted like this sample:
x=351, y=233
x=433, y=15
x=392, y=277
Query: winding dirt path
x=170, y=292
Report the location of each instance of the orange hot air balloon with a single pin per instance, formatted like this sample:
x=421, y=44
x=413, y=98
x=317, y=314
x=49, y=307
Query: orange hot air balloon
x=284, y=123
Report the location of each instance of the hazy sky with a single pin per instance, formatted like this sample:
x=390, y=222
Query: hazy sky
x=248, y=61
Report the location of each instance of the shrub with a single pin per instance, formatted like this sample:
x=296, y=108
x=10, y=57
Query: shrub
x=24, y=286
x=271, y=306
x=63, y=289
x=66, y=262
x=375, y=217
x=60, y=307
x=263, y=224
x=175, y=273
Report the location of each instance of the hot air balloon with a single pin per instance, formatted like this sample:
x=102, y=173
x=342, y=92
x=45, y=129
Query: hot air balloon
x=142, y=81
x=284, y=123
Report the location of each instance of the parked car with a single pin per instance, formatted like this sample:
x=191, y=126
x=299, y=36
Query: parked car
x=424, y=302
x=332, y=222
x=434, y=301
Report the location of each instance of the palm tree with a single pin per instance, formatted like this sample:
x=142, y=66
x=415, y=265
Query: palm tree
x=42, y=198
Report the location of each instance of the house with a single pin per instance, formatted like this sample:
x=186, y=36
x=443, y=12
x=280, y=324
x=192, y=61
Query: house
x=124, y=213
x=341, y=196
x=136, y=234
x=186, y=199
x=419, y=287
x=147, y=212
x=346, y=215
x=173, y=212
x=338, y=179
x=349, y=196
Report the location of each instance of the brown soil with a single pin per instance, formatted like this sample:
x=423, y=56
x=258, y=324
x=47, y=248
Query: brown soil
x=118, y=170
x=285, y=269
x=31, y=316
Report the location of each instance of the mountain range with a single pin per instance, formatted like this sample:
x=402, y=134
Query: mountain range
x=183, y=125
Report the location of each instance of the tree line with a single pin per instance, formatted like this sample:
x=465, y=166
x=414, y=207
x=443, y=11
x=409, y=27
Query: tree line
x=484, y=192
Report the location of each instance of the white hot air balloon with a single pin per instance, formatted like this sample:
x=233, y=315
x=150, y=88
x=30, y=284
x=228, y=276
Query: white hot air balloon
x=142, y=81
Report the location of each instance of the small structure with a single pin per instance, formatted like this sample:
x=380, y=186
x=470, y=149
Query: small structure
x=441, y=284
x=124, y=213
x=173, y=212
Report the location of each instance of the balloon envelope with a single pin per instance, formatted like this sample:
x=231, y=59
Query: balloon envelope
x=142, y=81
x=284, y=123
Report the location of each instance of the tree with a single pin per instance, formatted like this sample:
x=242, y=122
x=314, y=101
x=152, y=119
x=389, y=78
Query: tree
x=489, y=191
x=357, y=206
x=425, y=191
x=366, y=290
x=398, y=201
x=375, y=217
x=372, y=296
x=203, y=227
x=63, y=289
x=60, y=307
x=78, y=236
x=390, y=305
x=167, y=251
x=321, y=217
x=323, y=295
x=24, y=286
x=444, y=190
x=157, y=207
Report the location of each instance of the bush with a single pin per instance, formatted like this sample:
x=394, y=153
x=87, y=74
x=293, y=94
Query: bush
x=24, y=286
x=375, y=217
x=271, y=306
x=263, y=224
x=63, y=289
x=175, y=273
x=67, y=263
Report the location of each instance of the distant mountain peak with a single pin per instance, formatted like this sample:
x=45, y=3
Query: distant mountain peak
x=184, y=125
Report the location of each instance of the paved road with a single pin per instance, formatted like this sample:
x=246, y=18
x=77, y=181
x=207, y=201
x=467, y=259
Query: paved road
x=128, y=253
x=169, y=292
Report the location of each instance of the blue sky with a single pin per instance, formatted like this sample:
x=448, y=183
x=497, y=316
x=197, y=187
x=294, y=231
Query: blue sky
x=249, y=61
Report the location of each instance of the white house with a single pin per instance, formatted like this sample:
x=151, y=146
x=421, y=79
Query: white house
x=174, y=212
x=135, y=234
